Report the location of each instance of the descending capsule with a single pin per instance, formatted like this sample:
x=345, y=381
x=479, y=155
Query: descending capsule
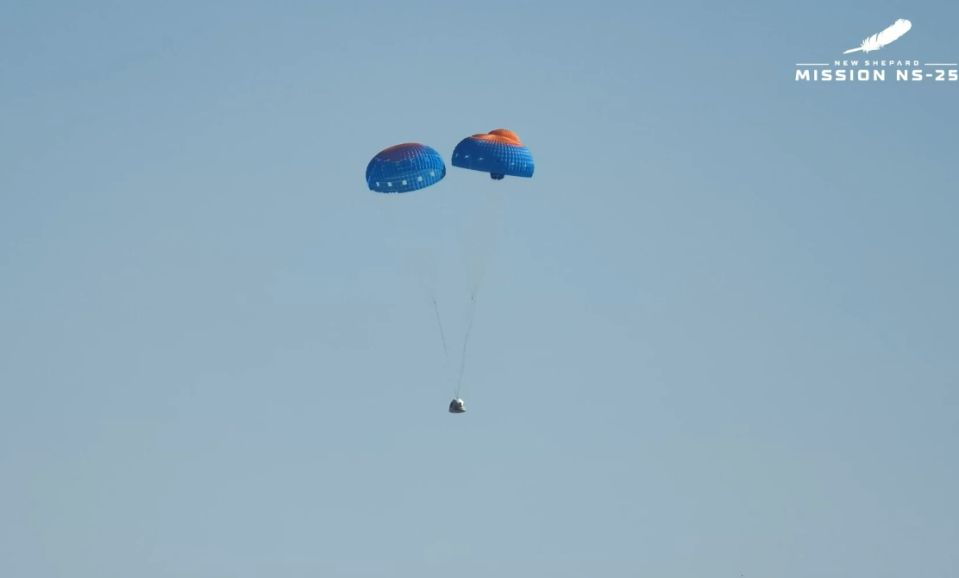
x=498, y=152
x=404, y=168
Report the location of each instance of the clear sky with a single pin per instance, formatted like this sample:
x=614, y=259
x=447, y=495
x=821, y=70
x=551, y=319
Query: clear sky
x=717, y=335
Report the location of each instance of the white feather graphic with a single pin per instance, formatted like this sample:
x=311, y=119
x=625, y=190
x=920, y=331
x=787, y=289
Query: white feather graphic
x=887, y=36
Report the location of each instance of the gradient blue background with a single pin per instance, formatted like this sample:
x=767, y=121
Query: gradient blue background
x=719, y=335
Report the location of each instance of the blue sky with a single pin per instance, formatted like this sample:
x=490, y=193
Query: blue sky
x=716, y=336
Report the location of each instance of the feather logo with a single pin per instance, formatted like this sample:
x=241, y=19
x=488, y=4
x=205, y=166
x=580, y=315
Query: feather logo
x=887, y=36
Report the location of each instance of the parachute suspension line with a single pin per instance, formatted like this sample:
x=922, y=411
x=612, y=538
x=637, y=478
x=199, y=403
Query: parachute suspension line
x=485, y=223
x=469, y=327
x=416, y=268
x=442, y=335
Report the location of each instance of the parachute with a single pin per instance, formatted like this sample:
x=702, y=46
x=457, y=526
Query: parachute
x=498, y=152
x=404, y=168
x=411, y=167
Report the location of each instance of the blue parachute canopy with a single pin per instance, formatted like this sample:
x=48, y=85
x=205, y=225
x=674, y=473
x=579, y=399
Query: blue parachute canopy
x=499, y=153
x=405, y=167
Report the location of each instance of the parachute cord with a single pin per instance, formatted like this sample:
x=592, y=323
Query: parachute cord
x=412, y=263
x=442, y=336
x=465, y=341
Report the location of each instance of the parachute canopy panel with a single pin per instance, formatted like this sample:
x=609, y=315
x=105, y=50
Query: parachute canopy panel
x=498, y=152
x=404, y=168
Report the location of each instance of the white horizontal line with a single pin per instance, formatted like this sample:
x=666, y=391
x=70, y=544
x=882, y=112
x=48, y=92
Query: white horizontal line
x=808, y=64
x=939, y=64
